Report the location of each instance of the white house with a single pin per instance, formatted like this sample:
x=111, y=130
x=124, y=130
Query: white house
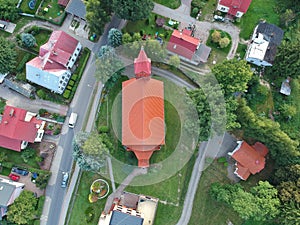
x=262, y=48
x=51, y=69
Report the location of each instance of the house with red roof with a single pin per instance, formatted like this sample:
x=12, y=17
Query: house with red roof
x=63, y=2
x=188, y=48
x=235, y=8
x=143, y=127
x=19, y=127
x=249, y=159
x=51, y=69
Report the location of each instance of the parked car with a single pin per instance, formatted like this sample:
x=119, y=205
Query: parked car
x=22, y=172
x=14, y=177
x=65, y=178
x=219, y=18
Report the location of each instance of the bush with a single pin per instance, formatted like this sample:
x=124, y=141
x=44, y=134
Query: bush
x=71, y=83
x=28, y=154
x=195, y=11
x=42, y=111
x=222, y=160
x=22, y=63
x=74, y=77
x=21, y=77
x=8, y=165
x=69, y=87
x=224, y=42
x=42, y=180
x=3, y=157
x=103, y=129
x=66, y=94
x=41, y=94
x=57, y=131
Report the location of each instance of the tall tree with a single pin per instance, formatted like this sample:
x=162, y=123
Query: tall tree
x=114, y=37
x=97, y=15
x=23, y=209
x=133, y=9
x=8, y=10
x=107, y=64
x=233, y=75
x=7, y=56
x=290, y=214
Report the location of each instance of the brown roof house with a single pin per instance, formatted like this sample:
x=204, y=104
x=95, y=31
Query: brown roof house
x=143, y=126
x=249, y=159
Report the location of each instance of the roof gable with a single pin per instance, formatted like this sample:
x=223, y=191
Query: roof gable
x=142, y=64
x=236, y=5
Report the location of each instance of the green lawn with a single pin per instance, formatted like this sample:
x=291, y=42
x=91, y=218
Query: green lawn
x=241, y=50
x=173, y=4
x=82, y=207
x=25, y=8
x=206, y=7
x=168, y=191
x=148, y=26
x=259, y=9
x=205, y=209
x=41, y=38
x=15, y=158
x=54, y=10
x=217, y=54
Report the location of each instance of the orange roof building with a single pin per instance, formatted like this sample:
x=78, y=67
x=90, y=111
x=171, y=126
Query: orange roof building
x=249, y=159
x=143, y=127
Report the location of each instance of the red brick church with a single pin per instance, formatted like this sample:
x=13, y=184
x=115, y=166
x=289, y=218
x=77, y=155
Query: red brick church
x=143, y=126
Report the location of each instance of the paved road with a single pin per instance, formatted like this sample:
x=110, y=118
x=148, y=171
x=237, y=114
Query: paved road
x=63, y=160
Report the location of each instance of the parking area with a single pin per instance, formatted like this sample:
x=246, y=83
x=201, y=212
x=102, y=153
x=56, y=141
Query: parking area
x=28, y=184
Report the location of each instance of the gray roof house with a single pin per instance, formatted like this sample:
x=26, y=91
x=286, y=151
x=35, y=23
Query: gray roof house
x=9, y=191
x=265, y=40
x=76, y=8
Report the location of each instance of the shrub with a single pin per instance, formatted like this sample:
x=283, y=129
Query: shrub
x=42, y=180
x=222, y=160
x=147, y=21
x=66, y=94
x=69, y=87
x=42, y=111
x=126, y=38
x=27, y=154
x=195, y=11
x=216, y=36
x=224, y=42
x=21, y=77
x=3, y=157
x=41, y=94
x=22, y=63
x=74, y=77
x=103, y=129
x=28, y=40
x=57, y=131
x=71, y=83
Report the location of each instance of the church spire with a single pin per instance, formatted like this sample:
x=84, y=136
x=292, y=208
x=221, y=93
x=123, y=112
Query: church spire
x=142, y=65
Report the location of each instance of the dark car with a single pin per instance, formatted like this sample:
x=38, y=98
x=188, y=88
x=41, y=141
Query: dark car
x=20, y=171
x=65, y=178
x=14, y=177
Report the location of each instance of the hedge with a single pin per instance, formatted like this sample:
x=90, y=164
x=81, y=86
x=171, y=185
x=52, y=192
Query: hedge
x=74, y=77
x=66, y=94
x=69, y=87
x=40, y=205
x=71, y=83
x=23, y=62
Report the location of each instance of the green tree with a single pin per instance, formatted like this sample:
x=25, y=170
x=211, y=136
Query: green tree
x=282, y=148
x=114, y=37
x=289, y=191
x=174, y=61
x=287, y=61
x=90, y=150
x=133, y=10
x=224, y=42
x=136, y=36
x=42, y=180
x=107, y=64
x=287, y=110
x=290, y=214
x=8, y=10
x=97, y=15
x=233, y=75
x=28, y=40
x=126, y=38
x=216, y=36
x=287, y=17
x=7, y=56
x=23, y=209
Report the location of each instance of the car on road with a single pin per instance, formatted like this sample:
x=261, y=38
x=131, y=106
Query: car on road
x=14, y=177
x=20, y=171
x=65, y=178
x=219, y=18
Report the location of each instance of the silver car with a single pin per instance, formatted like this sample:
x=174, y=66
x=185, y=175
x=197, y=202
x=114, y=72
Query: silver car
x=65, y=178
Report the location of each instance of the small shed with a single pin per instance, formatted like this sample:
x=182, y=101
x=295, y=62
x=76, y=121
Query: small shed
x=23, y=88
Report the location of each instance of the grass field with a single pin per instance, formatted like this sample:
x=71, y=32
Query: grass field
x=82, y=207
x=208, y=7
x=25, y=8
x=258, y=10
x=173, y=4
x=41, y=38
x=54, y=10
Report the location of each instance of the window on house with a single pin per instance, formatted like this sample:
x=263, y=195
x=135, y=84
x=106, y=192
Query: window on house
x=222, y=8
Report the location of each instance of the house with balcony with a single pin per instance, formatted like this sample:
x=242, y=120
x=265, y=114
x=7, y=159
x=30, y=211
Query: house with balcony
x=263, y=45
x=9, y=191
x=52, y=68
x=234, y=8
x=19, y=127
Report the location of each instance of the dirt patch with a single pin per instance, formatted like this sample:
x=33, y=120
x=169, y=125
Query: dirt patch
x=46, y=150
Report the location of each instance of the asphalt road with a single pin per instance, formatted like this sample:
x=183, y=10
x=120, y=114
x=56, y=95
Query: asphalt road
x=54, y=192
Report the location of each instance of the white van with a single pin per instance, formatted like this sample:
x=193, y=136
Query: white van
x=72, y=120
